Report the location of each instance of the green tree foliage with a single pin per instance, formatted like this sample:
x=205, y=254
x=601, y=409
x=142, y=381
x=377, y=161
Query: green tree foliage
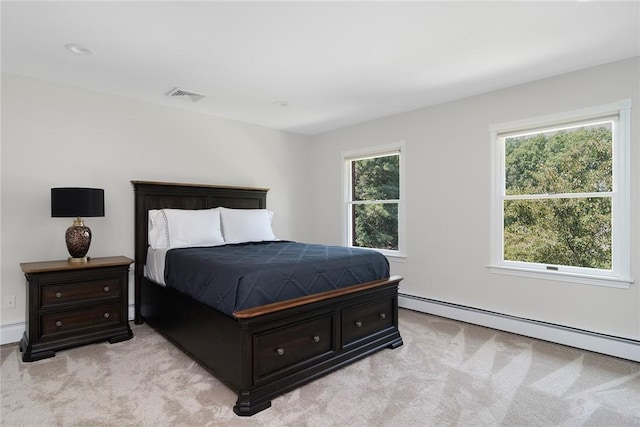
x=561, y=231
x=376, y=224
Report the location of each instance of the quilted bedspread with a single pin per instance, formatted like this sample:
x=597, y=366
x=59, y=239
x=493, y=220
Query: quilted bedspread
x=235, y=277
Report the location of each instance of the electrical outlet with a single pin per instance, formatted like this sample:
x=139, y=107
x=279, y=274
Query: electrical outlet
x=10, y=302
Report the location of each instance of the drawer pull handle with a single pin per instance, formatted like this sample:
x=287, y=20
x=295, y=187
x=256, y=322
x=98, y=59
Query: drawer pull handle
x=383, y=316
x=316, y=338
x=106, y=315
x=58, y=294
x=106, y=289
x=59, y=323
x=280, y=351
x=358, y=324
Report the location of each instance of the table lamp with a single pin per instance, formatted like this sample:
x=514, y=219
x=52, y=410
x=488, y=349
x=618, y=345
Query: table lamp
x=74, y=202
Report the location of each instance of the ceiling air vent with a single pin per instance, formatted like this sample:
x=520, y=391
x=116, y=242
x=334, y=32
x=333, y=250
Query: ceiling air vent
x=179, y=93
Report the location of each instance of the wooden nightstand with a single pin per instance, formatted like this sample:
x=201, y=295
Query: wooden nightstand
x=74, y=304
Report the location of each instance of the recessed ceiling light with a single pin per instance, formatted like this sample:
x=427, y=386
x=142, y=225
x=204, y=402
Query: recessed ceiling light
x=281, y=103
x=78, y=49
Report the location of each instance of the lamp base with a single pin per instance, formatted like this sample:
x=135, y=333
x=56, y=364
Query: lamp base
x=83, y=260
x=78, y=239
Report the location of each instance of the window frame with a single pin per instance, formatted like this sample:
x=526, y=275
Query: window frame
x=620, y=274
x=347, y=218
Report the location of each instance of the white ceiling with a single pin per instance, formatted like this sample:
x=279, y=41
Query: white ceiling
x=335, y=63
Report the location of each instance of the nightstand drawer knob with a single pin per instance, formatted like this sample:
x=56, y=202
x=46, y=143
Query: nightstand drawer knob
x=58, y=294
x=106, y=289
x=359, y=324
x=106, y=315
x=280, y=351
x=383, y=316
x=59, y=323
x=316, y=338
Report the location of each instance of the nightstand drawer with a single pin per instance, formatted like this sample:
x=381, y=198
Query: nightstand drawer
x=68, y=321
x=110, y=287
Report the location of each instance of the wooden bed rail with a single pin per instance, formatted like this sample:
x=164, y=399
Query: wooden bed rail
x=296, y=302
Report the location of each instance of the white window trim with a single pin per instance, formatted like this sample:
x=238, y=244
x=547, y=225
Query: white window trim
x=620, y=275
x=380, y=150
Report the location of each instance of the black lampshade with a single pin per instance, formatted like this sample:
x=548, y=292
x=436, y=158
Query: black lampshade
x=77, y=202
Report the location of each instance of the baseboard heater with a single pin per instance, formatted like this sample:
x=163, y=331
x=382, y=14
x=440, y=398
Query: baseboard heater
x=600, y=343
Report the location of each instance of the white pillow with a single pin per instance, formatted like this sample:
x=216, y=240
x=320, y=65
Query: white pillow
x=181, y=228
x=158, y=231
x=246, y=225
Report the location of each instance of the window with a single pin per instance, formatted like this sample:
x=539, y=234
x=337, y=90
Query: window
x=374, y=202
x=561, y=194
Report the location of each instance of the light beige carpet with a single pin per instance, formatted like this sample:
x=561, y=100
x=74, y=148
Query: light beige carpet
x=447, y=373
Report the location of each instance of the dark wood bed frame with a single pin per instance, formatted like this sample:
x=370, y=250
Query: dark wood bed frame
x=265, y=351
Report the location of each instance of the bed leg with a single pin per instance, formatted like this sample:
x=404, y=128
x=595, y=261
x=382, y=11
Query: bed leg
x=244, y=407
x=396, y=344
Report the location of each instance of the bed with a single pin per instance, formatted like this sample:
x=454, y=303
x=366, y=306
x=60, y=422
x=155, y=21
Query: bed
x=261, y=351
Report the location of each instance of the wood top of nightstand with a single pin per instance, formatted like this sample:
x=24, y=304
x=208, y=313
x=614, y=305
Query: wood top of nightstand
x=64, y=265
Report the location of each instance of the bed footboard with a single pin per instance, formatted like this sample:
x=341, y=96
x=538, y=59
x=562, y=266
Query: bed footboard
x=266, y=355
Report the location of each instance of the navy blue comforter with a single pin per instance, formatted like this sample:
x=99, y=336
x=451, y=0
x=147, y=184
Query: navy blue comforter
x=235, y=277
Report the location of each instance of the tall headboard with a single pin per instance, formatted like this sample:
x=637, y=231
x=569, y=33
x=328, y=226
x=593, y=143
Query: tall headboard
x=159, y=195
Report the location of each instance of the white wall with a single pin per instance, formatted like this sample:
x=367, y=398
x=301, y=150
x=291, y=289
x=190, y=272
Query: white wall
x=447, y=170
x=54, y=135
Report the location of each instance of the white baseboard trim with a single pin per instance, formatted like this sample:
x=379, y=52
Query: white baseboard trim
x=12, y=333
x=586, y=340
